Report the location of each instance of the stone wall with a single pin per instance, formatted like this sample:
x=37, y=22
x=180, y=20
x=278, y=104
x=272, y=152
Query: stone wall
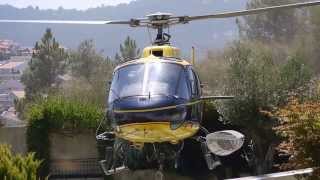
x=64, y=145
x=15, y=137
x=74, y=154
x=73, y=145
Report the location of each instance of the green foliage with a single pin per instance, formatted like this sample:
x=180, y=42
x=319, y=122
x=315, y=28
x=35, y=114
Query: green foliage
x=261, y=78
x=279, y=25
x=300, y=128
x=252, y=79
x=213, y=73
x=80, y=89
x=65, y=114
x=295, y=73
x=128, y=51
x=275, y=59
x=57, y=113
x=86, y=62
x=313, y=38
x=90, y=73
x=19, y=105
x=17, y=167
x=210, y=112
x=298, y=29
x=47, y=63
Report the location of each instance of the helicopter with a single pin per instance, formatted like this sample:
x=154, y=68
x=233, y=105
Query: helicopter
x=156, y=102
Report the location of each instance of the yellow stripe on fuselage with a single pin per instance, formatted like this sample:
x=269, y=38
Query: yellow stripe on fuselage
x=156, y=132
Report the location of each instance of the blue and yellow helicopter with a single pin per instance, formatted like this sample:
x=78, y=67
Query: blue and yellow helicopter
x=155, y=103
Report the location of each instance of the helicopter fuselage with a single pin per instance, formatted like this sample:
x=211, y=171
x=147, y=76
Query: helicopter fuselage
x=156, y=98
x=155, y=109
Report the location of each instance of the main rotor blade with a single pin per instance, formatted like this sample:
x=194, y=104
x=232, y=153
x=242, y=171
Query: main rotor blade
x=64, y=22
x=253, y=11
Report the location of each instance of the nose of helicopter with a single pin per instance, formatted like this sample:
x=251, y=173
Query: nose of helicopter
x=153, y=119
x=146, y=102
x=139, y=109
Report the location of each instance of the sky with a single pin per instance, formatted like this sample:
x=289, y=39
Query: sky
x=67, y=4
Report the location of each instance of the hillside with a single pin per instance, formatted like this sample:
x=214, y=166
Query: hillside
x=204, y=35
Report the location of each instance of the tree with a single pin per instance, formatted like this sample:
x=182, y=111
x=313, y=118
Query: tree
x=314, y=37
x=300, y=129
x=86, y=61
x=280, y=25
x=128, y=51
x=261, y=77
x=90, y=72
x=48, y=61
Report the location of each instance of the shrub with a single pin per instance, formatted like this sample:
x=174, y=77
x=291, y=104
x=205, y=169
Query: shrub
x=17, y=167
x=300, y=128
x=261, y=77
x=57, y=113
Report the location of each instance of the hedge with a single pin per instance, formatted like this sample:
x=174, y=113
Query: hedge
x=54, y=114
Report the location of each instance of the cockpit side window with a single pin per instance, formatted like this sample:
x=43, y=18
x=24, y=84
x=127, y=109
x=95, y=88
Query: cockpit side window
x=198, y=82
x=194, y=82
x=183, y=86
x=112, y=93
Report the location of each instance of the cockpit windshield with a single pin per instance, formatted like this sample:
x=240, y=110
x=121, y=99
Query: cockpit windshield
x=149, y=79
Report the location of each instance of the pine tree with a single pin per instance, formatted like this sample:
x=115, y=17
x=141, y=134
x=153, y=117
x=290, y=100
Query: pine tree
x=85, y=62
x=90, y=72
x=48, y=61
x=128, y=51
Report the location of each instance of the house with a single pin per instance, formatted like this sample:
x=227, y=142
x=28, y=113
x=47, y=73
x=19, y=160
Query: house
x=11, y=85
x=8, y=47
x=4, y=49
x=12, y=69
x=18, y=94
x=11, y=66
x=9, y=118
x=6, y=101
x=10, y=90
x=25, y=51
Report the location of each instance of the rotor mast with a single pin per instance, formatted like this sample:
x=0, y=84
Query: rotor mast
x=160, y=21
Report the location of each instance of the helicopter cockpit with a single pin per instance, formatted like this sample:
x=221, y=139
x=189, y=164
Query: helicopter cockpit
x=153, y=79
x=151, y=91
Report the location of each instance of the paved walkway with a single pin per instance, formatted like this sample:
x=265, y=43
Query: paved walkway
x=289, y=175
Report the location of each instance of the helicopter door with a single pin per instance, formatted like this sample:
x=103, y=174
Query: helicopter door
x=196, y=113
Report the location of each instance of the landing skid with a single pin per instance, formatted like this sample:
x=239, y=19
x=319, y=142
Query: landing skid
x=117, y=161
x=109, y=164
x=113, y=171
x=159, y=175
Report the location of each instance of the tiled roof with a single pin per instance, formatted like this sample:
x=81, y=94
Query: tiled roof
x=12, y=84
x=11, y=65
x=19, y=94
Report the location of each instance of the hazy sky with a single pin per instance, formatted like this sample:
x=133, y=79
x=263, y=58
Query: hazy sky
x=67, y=4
